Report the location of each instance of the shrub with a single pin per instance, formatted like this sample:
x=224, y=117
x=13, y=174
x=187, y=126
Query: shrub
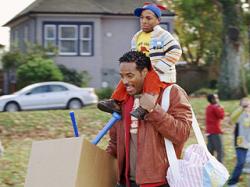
x=204, y=91
x=104, y=93
x=38, y=70
x=12, y=59
x=72, y=76
x=15, y=58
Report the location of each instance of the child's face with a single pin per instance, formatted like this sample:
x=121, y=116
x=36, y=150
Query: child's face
x=245, y=102
x=248, y=108
x=216, y=98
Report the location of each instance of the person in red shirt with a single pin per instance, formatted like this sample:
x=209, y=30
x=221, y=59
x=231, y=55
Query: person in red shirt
x=214, y=115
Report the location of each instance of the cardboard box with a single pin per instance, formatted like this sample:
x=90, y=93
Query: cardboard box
x=70, y=162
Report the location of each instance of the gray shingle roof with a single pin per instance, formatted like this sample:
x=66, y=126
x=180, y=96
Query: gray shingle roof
x=113, y=7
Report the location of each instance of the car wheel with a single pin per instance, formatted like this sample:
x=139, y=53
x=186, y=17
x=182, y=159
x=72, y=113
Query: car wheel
x=75, y=104
x=12, y=107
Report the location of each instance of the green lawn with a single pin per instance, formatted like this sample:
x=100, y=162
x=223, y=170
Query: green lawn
x=18, y=130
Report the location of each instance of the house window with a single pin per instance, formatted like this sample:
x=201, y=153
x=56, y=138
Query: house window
x=49, y=36
x=70, y=38
x=85, y=39
x=67, y=40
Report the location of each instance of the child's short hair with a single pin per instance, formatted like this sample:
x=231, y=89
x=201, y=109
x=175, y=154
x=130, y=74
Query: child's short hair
x=210, y=98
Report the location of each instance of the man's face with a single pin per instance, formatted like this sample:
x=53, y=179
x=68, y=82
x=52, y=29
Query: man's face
x=148, y=20
x=132, y=78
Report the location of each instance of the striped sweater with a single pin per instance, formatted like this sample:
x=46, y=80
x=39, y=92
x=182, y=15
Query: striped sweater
x=164, y=52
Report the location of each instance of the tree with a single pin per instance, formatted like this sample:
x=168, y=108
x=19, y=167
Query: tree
x=12, y=59
x=35, y=65
x=197, y=24
x=231, y=80
x=15, y=58
x=213, y=32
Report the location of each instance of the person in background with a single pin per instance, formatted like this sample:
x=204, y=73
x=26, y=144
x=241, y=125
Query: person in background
x=242, y=140
x=139, y=145
x=214, y=115
x=237, y=112
x=164, y=51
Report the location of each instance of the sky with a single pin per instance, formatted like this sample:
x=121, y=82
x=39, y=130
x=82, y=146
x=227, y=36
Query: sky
x=8, y=9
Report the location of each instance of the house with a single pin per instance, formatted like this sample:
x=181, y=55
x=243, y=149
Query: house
x=1, y=67
x=90, y=34
x=1, y=53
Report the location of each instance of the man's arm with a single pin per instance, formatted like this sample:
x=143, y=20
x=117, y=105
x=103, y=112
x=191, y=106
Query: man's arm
x=219, y=111
x=175, y=124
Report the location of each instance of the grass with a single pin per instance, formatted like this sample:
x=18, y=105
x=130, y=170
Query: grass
x=18, y=130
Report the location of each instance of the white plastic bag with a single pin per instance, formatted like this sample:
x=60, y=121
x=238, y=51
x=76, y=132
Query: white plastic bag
x=198, y=168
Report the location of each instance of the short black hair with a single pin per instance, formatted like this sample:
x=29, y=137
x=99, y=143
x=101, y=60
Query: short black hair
x=210, y=98
x=139, y=58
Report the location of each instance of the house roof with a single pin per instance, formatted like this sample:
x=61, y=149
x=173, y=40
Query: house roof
x=109, y=7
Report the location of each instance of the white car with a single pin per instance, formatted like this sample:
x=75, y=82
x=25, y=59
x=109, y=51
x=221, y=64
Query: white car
x=48, y=95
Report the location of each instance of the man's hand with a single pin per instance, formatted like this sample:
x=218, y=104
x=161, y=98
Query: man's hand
x=148, y=101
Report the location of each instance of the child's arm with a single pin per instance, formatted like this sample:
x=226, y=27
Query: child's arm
x=235, y=115
x=172, y=52
x=219, y=111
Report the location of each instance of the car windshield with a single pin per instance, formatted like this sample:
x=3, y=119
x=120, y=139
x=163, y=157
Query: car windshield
x=23, y=90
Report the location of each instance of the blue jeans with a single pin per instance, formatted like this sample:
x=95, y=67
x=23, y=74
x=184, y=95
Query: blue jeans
x=241, y=155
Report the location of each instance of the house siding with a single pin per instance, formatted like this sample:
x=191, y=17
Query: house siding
x=116, y=36
x=91, y=64
x=18, y=35
x=102, y=66
x=111, y=39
